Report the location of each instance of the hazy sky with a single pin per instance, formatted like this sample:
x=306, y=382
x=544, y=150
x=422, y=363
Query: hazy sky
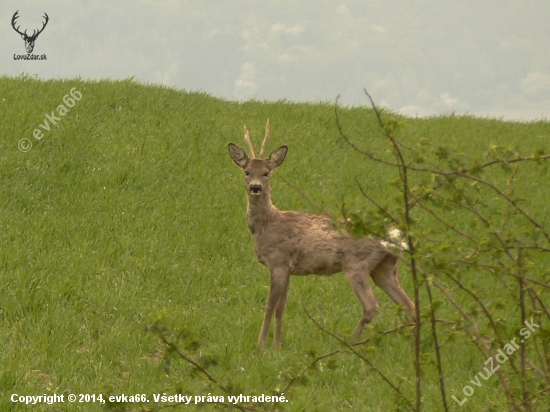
x=419, y=57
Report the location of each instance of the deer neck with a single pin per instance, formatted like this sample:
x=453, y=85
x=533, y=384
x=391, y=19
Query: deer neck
x=261, y=212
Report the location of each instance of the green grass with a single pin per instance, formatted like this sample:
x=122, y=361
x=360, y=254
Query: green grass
x=131, y=206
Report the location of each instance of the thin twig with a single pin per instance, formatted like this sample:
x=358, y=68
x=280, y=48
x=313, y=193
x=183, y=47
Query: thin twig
x=437, y=348
x=308, y=367
x=352, y=349
x=512, y=202
x=353, y=145
x=491, y=270
x=404, y=173
x=384, y=333
x=517, y=407
x=191, y=361
x=302, y=194
x=523, y=348
x=448, y=225
x=381, y=208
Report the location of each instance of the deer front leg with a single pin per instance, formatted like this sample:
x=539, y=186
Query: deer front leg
x=279, y=312
x=279, y=280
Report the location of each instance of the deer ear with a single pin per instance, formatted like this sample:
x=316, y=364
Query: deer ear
x=238, y=155
x=277, y=158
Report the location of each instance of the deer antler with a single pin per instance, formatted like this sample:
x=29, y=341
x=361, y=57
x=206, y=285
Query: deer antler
x=266, y=139
x=15, y=16
x=247, y=138
x=43, y=26
x=34, y=33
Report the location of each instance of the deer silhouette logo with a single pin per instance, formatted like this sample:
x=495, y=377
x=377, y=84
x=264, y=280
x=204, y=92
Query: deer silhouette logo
x=29, y=40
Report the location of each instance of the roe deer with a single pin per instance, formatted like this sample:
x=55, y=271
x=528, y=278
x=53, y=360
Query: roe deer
x=299, y=243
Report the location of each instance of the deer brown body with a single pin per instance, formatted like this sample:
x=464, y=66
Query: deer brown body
x=299, y=243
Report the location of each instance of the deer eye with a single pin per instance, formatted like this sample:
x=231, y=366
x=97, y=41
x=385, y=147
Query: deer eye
x=266, y=174
x=247, y=173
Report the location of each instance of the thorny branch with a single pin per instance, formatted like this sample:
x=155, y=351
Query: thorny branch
x=511, y=248
x=368, y=362
x=202, y=370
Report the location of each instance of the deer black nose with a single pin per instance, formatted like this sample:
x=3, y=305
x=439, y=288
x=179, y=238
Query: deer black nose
x=256, y=189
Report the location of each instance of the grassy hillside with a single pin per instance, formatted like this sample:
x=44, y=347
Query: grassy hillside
x=130, y=208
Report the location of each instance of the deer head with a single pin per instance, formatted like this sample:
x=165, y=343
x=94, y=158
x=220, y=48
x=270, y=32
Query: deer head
x=257, y=170
x=29, y=40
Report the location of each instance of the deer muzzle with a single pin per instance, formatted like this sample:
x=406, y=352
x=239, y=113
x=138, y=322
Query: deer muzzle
x=255, y=189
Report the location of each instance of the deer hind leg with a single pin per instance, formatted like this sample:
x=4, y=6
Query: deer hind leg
x=385, y=276
x=279, y=281
x=360, y=284
x=279, y=312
